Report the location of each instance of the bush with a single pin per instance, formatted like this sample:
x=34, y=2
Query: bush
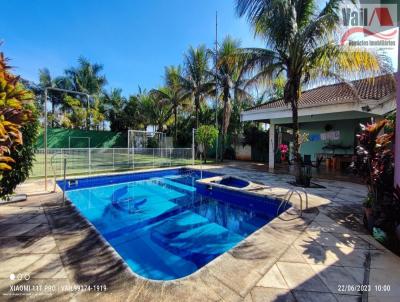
x=24, y=157
x=206, y=136
x=18, y=130
x=375, y=163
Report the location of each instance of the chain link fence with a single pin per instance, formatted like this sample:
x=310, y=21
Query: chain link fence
x=101, y=160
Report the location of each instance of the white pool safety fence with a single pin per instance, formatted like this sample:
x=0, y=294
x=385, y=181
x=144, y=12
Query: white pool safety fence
x=81, y=161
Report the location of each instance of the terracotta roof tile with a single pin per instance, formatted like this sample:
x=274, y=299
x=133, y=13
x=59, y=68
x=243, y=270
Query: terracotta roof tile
x=368, y=89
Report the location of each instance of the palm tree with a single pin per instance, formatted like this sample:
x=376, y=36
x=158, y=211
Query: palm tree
x=86, y=78
x=172, y=93
x=229, y=75
x=57, y=98
x=113, y=103
x=299, y=44
x=155, y=111
x=197, y=82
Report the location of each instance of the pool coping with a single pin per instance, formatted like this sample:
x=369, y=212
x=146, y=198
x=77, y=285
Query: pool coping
x=253, y=242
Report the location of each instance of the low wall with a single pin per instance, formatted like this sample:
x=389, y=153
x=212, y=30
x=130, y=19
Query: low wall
x=59, y=138
x=243, y=152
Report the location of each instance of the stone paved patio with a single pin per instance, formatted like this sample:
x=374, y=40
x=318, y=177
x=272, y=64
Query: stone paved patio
x=318, y=257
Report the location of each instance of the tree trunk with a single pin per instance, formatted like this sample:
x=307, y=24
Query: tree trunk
x=197, y=105
x=292, y=96
x=296, y=154
x=175, y=124
x=225, y=121
x=52, y=113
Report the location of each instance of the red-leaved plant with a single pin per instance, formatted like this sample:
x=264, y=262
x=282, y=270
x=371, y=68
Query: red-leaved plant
x=375, y=163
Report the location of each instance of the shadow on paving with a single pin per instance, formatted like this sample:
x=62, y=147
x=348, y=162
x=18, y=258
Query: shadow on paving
x=337, y=264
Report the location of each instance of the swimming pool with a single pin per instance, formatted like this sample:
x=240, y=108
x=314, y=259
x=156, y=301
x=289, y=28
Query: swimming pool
x=164, y=224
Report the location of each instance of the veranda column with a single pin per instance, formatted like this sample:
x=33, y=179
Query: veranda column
x=397, y=147
x=271, y=157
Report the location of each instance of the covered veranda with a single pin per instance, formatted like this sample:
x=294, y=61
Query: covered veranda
x=329, y=119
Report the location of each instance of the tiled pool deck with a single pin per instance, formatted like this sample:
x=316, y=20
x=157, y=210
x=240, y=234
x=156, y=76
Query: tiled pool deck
x=318, y=257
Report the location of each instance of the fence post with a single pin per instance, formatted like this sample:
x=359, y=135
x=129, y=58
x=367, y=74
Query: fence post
x=153, y=157
x=90, y=160
x=193, y=146
x=170, y=157
x=133, y=157
x=113, y=149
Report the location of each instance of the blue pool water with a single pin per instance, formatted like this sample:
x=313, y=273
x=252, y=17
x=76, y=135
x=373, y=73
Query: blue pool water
x=163, y=224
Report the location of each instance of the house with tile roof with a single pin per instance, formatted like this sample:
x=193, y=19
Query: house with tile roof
x=329, y=115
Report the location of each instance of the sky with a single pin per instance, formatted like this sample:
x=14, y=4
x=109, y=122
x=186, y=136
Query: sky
x=134, y=40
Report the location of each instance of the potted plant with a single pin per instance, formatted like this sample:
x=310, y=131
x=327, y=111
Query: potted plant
x=375, y=163
x=368, y=218
x=283, y=148
x=396, y=202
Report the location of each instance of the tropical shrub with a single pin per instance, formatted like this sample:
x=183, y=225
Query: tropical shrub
x=205, y=137
x=24, y=157
x=375, y=163
x=15, y=112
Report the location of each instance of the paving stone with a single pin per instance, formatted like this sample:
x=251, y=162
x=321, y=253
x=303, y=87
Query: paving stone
x=37, y=265
x=84, y=242
x=292, y=255
x=211, y=283
x=262, y=294
x=348, y=298
x=385, y=259
x=19, y=210
x=314, y=253
x=308, y=296
x=258, y=248
x=273, y=278
x=357, y=273
x=248, y=298
x=36, y=217
x=27, y=245
x=323, y=217
x=383, y=299
x=334, y=277
x=327, y=227
x=24, y=229
x=238, y=275
x=352, y=241
x=373, y=243
x=301, y=277
x=352, y=257
x=323, y=238
x=380, y=278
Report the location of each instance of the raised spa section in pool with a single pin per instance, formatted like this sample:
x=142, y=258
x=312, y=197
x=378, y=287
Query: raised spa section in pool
x=233, y=182
x=164, y=224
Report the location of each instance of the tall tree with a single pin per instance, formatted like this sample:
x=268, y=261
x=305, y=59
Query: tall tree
x=114, y=103
x=172, y=93
x=87, y=78
x=230, y=77
x=156, y=112
x=299, y=43
x=57, y=98
x=197, y=81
